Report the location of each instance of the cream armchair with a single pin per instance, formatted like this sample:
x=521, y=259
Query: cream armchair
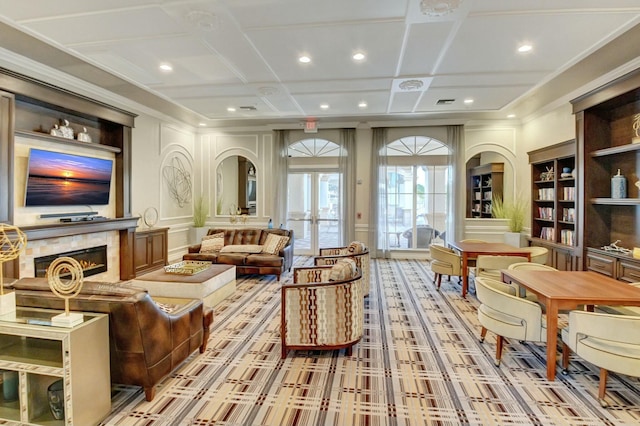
x=323, y=309
x=357, y=251
x=444, y=261
x=507, y=316
x=538, y=254
x=611, y=342
x=490, y=266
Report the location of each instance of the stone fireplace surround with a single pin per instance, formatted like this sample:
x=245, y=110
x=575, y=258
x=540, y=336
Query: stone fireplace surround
x=55, y=246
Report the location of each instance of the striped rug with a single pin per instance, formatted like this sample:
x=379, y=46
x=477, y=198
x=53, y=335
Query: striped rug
x=419, y=363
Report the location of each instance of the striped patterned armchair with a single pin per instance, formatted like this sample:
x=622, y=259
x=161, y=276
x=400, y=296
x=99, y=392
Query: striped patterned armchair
x=323, y=309
x=357, y=251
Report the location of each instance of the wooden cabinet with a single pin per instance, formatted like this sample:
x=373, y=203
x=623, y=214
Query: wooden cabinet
x=554, y=203
x=485, y=184
x=41, y=355
x=150, y=251
x=604, y=128
x=619, y=266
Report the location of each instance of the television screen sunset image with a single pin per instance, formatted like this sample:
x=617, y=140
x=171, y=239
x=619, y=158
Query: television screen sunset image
x=55, y=178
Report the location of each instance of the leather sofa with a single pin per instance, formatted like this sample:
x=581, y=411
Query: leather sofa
x=245, y=262
x=147, y=340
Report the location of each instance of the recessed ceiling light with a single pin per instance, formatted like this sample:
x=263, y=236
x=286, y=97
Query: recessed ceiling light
x=166, y=67
x=324, y=106
x=231, y=109
x=468, y=101
x=524, y=48
x=362, y=104
x=202, y=124
x=511, y=116
x=358, y=56
x=304, y=59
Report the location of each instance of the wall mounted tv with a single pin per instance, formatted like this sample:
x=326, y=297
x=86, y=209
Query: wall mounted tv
x=57, y=179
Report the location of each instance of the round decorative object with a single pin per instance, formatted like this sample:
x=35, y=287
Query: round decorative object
x=12, y=242
x=150, y=217
x=55, y=392
x=69, y=268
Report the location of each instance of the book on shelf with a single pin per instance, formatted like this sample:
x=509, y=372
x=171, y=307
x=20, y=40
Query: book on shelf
x=569, y=214
x=545, y=213
x=546, y=194
x=547, y=233
x=569, y=193
x=567, y=236
x=488, y=195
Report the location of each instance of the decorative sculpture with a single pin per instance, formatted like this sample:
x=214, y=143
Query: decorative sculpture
x=636, y=128
x=178, y=180
x=83, y=136
x=67, y=289
x=12, y=242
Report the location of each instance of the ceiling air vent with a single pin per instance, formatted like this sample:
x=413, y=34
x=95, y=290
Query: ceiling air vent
x=248, y=108
x=445, y=101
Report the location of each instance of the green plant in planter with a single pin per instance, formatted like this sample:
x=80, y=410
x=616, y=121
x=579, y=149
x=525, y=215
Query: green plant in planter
x=515, y=211
x=200, y=212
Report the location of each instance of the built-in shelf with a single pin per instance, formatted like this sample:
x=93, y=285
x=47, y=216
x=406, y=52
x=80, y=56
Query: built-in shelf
x=616, y=201
x=65, y=141
x=621, y=149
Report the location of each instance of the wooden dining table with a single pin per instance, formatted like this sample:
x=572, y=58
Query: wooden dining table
x=566, y=290
x=469, y=251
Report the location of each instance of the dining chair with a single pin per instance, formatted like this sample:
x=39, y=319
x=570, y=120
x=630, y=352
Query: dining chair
x=489, y=266
x=538, y=254
x=610, y=342
x=444, y=261
x=507, y=315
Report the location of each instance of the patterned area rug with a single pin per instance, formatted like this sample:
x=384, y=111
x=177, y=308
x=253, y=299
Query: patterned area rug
x=419, y=363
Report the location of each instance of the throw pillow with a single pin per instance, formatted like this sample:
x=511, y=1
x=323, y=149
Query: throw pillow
x=274, y=243
x=212, y=243
x=242, y=248
x=343, y=269
x=356, y=247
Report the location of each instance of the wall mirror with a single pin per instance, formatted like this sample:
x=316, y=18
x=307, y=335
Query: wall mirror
x=236, y=186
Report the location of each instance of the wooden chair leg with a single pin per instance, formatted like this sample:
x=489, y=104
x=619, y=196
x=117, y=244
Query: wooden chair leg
x=349, y=350
x=499, y=344
x=483, y=334
x=566, y=351
x=603, y=387
x=439, y=280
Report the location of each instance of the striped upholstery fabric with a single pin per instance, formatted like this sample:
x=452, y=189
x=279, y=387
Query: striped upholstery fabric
x=318, y=314
x=329, y=256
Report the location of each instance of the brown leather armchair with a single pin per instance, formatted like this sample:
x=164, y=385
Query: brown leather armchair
x=146, y=340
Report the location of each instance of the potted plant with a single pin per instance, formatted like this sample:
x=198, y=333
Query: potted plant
x=514, y=212
x=200, y=213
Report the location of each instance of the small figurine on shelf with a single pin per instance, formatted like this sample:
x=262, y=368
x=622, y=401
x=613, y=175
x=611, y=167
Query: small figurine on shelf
x=56, y=131
x=83, y=136
x=67, y=132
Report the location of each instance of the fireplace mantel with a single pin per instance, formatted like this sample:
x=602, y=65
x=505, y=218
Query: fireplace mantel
x=42, y=232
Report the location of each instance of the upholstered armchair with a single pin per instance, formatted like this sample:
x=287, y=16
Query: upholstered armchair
x=323, y=309
x=611, y=342
x=444, y=261
x=530, y=266
x=507, y=315
x=490, y=266
x=538, y=254
x=357, y=251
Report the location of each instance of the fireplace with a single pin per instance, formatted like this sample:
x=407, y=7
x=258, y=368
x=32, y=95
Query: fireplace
x=93, y=261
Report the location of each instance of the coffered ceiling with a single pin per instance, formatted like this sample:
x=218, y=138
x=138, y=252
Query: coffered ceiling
x=238, y=60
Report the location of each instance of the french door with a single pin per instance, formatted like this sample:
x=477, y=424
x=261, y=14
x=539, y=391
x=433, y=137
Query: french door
x=314, y=210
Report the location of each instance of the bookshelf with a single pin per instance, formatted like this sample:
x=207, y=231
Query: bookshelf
x=554, y=203
x=485, y=182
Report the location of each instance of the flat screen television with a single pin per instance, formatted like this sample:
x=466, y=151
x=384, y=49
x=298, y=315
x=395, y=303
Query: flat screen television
x=57, y=179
